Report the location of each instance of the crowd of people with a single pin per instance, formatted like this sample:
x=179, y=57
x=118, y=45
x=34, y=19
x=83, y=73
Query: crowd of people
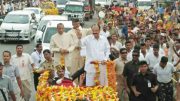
x=144, y=45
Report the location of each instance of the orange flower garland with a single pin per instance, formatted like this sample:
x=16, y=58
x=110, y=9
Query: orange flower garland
x=45, y=92
x=97, y=74
x=111, y=74
x=62, y=60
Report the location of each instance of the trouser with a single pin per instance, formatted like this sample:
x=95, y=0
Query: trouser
x=178, y=92
x=78, y=73
x=36, y=81
x=165, y=91
x=90, y=77
x=121, y=88
x=26, y=87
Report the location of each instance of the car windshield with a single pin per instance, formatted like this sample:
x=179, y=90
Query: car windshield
x=61, y=2
x=144, y=3
x=50, y=32
x=100, y=0
x=36, y=11
x=85, y=3
x=41, y=24
x=12, y=18
x=74, y=8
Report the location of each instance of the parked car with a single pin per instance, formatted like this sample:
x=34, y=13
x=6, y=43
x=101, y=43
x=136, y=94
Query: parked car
x=61, y=5
x=75, y=9
x=18, y=25
x=44, y=22
x=38, y=12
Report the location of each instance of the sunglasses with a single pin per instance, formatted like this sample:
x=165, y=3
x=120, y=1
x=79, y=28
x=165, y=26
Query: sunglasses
x=135, y=55
x=123, y=52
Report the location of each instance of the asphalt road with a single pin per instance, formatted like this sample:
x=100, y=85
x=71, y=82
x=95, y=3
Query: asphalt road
x=28, y=47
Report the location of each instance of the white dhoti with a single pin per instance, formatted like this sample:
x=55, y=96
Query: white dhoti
x=92, y=73
x=26, y=87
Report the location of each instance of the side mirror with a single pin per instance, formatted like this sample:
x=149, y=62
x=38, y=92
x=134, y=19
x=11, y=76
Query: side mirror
x=43, y=28
x=39, y=40
x=1, y=20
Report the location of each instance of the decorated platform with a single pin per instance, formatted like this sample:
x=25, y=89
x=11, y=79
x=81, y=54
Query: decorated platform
x=46, y=92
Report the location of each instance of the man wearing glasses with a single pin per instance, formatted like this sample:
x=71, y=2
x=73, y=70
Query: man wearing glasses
x=119, y=67
x=130, y=69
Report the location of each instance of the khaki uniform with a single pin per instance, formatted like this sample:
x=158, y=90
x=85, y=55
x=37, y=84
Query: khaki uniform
x=119, y=67
x=48, y=65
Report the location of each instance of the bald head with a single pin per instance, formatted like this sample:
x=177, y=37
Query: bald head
x=96, y=30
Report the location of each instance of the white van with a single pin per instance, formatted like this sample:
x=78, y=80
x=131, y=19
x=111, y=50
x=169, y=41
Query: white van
x=75, y=9
x=51, y=29
x=44, y=22
x=103, y=3
x=17, y=25
x=144, y=4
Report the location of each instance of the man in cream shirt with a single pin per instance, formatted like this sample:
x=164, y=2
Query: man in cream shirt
x=77, y=33
x=61, y=45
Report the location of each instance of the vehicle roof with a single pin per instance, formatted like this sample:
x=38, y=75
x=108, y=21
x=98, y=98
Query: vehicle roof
x=55, y=17
x=67, y=24
x=22, y=12
x=144, y=0
x=32, y=8
x=75, y=3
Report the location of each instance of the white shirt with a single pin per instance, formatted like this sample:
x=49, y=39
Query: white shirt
x=164, y=75
x=23, y=63
x=176, y=58
x=105, y=34
x=37, y=58
x=152, y=60
x=95, y=50
x=117, y=45
x=130, y=57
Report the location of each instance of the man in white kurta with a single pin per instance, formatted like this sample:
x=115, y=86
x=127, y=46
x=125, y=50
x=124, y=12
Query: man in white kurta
x=61, y=44
x=77, y=34
x=97, y=49
x=24, y=63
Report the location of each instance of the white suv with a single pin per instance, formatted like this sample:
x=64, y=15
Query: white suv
x=75, y=9
x=17, y=25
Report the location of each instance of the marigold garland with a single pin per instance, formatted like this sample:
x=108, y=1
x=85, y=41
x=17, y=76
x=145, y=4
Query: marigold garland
x=60, y=93
x=62, y=60
x=97, y=74
x=111, y=74
x=49, y=8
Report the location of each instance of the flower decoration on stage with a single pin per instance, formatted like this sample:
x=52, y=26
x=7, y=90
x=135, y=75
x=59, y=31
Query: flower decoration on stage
x=111, y=74
x=49, y=8
x=96, y=77
x=45, y=92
